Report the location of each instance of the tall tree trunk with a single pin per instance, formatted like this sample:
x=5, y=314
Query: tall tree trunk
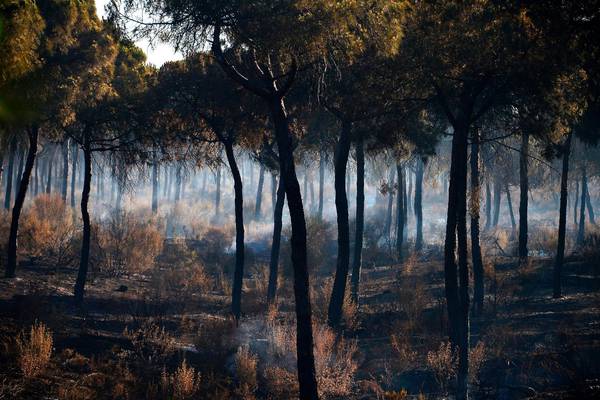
x=50, y=167
x=360, y=217
x=523, y=198
x=19, y=174
x=589, y=207
x=36, y=177
x=409, y=194
x=404, y=203
x=65, y=171
x=238, y=274
x=457, y=287
x=273, y=192
x=488, y=205
x=400, y=211
x=275, y=244
x=79, y=288
x=562, y=219
x=9, y=173
x=576, y=202
x=341, y=204
x=304, y=338
x=390, y=194
x=497, y=200
x=178, y=183
x=513, y=224
x=75, y=157
x=418, y=206
x=321, y=182
x=259, y=192
x=581, y=230
x=478, y=287
x=155, y=174
x=11, y=264
x=218, y=192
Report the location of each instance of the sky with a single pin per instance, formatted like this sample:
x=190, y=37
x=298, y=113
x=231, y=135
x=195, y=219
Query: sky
x=157, y=54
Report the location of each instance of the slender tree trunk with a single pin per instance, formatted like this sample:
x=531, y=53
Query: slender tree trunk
x=576, y=202
x=155, y=174
x=238, y=275
x=50, y=167
x=488, y=205
x=79, y=288
x=478, y=287
x=510, y=208
x=589, y=207
x=581, y=230
x=360, y=217
x=562, y=220
x=9, y=173
x=390, y=194
x=418, y=206
x=65, y=172
x=497, y=201
x=36, y=178
x=178, y=183
x=409, y=194
x=11, y=264
x=304, y=338
x=259, y=192
x=523, y=199
x=218, y=192
x=400, y=211
x=17, y=180
x=75, y=157
x=341, y=204
x=275, y=244
x=321, y=182
x=167, y=185
x=273, y=192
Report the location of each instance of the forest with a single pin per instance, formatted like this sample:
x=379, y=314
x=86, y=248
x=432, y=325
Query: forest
x=317, y=199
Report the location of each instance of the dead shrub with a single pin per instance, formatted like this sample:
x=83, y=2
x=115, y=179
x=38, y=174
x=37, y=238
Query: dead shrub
x=405, y=356
x=34, y=349
x=47, y=231
x=477, y=356
x=443, y=362
x=151, y=343
x=214, y=337
x=182, y=384
x=246, y=372
x=127, y=244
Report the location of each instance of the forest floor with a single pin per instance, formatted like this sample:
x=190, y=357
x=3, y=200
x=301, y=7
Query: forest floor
x=532, y=345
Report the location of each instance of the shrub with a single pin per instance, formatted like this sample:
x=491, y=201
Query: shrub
x=214, y=337
x=245, y=371
x=182, y=384
x=443, y=362
x=405, y=356
x=35, y=349
x=151, y=343
x=48, y=232
x=127, y=244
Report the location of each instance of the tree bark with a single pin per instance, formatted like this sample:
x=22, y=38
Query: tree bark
x=275, y=244
x=400, y=211
x=581, y=229
x=360, y=217
x=9, y=173
x=238, y=275
x=341, y=204
x=478, y=287
x=259, y=192
x=11, y=264
x=418, y=206
x=523, y=196
x=84, y=260
x=321, y=182
x=304, y=338
x=75, y=157
x=562, y=219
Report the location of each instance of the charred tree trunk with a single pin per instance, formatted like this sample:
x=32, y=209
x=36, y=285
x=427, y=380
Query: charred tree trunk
x=17, y=180
x=75, y=157
x=488, y=205
x=562, y=219
x=9, y=173
x=273, y=192
x=497, y=201
x=178, y=183
x=589, y=207
x=341, y=204
x=321, y=182
x=65, y=172
x=513, y=224
x=478, y=287
x=155, y=174
x=275, y=244
x=400, y=212
x=418, y=206
x=84, y=261
x=360, y=217
x=388, y=219
x=523, y=198
x=576, y=202
x=238, y=275
x=581, y=229
x=259, y=192
x=11, y=264
x=50, y=167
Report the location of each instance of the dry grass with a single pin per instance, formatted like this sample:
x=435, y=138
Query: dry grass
x=182, y=384
x=151, y=343
x=34, y=349
x=443, y=362
x=246, y=372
